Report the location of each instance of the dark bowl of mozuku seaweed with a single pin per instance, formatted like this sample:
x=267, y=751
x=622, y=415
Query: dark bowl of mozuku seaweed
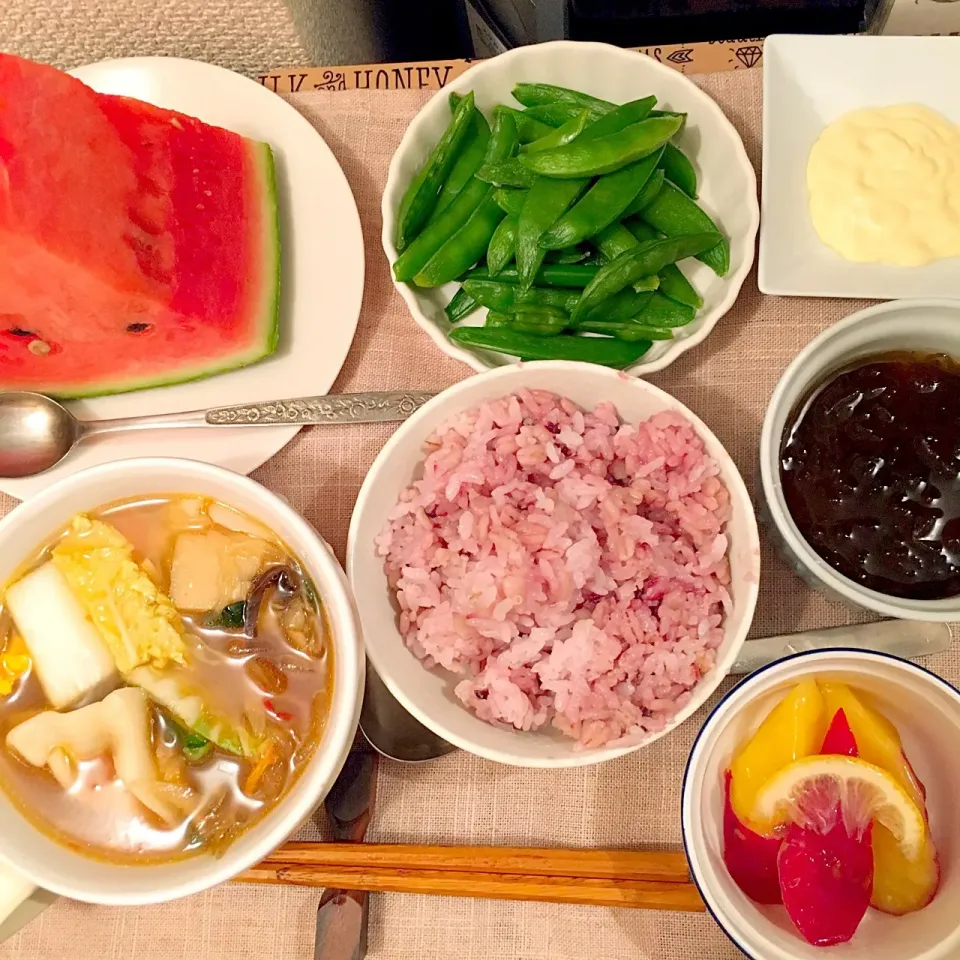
x=860, y=461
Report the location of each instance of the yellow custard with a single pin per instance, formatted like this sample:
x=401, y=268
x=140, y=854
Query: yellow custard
x=884, y=185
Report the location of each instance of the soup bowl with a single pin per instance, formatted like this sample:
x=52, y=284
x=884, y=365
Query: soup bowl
x=60, y=869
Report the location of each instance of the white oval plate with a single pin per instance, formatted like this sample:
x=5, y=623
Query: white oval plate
x=321, y=276
x=726, y=179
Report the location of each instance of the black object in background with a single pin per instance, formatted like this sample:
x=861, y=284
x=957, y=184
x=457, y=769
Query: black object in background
x=423, y=29
x=642, y=23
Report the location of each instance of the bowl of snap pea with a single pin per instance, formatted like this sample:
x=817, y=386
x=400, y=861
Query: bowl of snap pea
x=570, y=201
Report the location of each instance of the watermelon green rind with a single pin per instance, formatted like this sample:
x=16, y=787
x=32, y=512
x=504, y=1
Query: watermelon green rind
x=271, y=250
x=269, y=312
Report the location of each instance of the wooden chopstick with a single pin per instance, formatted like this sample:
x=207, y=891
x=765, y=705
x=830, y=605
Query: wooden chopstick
x=610, y=878
x=641, y=894
x=663, y=866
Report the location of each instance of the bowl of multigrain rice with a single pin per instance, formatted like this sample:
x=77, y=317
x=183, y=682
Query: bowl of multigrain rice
x=555, y=564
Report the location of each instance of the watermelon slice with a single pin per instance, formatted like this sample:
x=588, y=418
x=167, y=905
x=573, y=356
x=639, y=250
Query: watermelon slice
x=138, y=246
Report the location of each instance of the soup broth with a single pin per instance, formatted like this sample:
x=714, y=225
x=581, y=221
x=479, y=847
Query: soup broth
x=212, y=680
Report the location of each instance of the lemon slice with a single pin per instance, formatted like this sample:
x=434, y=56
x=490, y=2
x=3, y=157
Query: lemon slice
x=810, y=791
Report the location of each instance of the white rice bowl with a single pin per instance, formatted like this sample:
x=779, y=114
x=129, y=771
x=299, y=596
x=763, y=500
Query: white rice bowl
x=553, y=582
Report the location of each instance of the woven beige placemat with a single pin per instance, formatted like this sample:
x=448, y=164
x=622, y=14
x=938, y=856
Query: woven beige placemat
x=633, y=801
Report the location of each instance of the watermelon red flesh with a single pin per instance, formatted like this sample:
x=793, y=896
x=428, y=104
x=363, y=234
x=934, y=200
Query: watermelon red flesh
x=138, y=246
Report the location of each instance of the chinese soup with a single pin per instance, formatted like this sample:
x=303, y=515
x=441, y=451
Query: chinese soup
x=165, y=674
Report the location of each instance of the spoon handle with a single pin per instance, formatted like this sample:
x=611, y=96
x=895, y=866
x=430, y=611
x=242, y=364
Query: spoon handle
x=375, y=407
x=901, y=638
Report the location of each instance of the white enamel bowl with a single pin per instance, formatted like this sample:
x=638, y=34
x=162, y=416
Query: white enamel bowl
x=926, y=711
x=727, y=182
x=428, y=695
x=919, y=325
x=57, y=868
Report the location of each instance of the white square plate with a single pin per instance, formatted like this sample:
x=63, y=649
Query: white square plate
x=808, y=82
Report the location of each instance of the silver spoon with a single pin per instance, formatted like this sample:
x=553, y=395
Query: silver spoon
x=36, y=433
x=393, y=733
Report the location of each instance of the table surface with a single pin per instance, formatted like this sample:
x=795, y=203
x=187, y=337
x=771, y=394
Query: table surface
x=632, y=801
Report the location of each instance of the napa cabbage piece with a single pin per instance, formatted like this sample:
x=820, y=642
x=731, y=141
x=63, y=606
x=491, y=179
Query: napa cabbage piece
x=171, y=688
x=136, y=620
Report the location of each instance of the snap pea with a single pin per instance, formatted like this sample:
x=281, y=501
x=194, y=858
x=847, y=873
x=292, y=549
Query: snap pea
x=561, y=136
x=551, y=200
x=461, y=305
x=601, y=205
x=528, y=128
x=496, y=319
x=668, y=113
x=567, y=255
x=503, y=142
x=625, y=330
x=677, y=287
x=617, y=239
x=503, y=244
x=641, y=261
x=633, y=111
x=606, y=154
x=537, y=94
x=574, y=275
x=673, y=283
x=602, y=350
x=614, y=240
x=679, y=170
x=540, y=319
x=682, y=117
x=648, y=193
x=510, y=199
x=464, y=248
x=619, y=308
x=420, y=199
x=545, y=203
x=674, y=214
x=509, y=172
x=467, y=163
x=613, y=122
x=558, y=113
x=640, y=230
x=554, y=114
x=495, y=295
x=660, y=311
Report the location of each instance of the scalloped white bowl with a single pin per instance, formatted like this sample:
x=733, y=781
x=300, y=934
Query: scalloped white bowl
x=727, y=182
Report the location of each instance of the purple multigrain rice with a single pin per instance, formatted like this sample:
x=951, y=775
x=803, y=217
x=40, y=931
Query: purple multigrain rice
x=572, y=569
